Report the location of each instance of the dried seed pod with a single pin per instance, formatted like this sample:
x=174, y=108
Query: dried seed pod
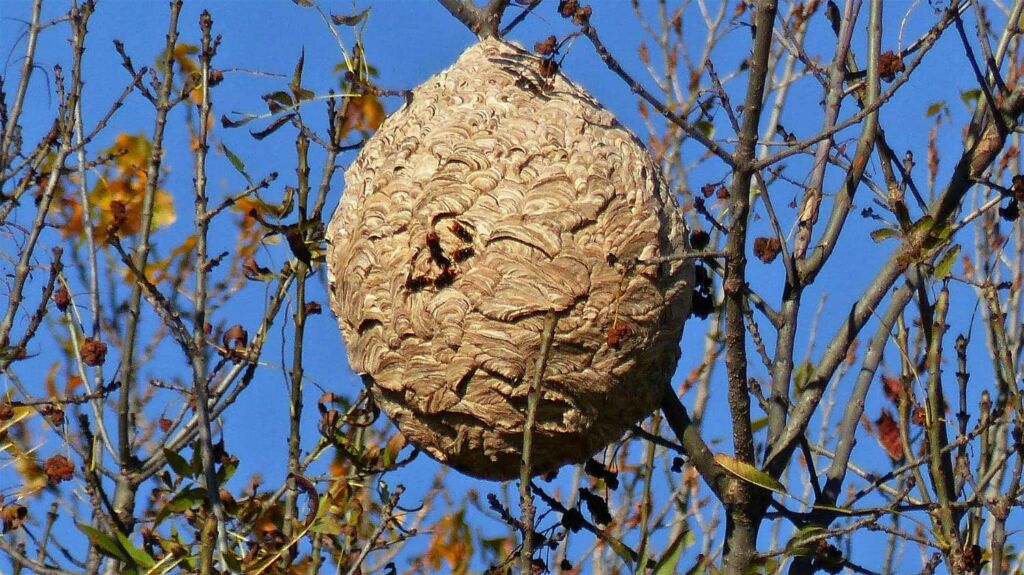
x=548, y=191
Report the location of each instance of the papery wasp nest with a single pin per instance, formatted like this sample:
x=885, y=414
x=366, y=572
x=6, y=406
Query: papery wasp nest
x=497, y=195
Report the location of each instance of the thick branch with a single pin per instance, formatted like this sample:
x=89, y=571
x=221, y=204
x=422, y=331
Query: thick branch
x=697, y=452
x=124, y=493
x=855, y=406
x=484, y=22
x=746, y=510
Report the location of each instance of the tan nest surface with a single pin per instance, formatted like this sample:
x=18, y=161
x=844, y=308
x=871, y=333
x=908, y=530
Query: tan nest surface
x=495, y=196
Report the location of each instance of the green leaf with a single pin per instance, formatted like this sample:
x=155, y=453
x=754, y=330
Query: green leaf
x=942, y=231
x=139, y=556
x=765, y=565
x=803, y=374
x=279, y=100
x=196, y=463
x=186, y=499
x=236, y=162
x=945, y=263
x=706, y=128
x=934, y=109
x=749, y=473
x=178, y=463
x=329, y=526
x=618, y=546
x=834, y=509
x=899, y=208
x=106, y=544
x=931, y=242
x=797, y=546
x=758, y=424
x=227, y=470
x=925, y=223
x=969, y=97
x=667, y=564
x=882, y=234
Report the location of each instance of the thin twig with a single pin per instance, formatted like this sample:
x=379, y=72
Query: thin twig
x=636, y=87
x=526, y=466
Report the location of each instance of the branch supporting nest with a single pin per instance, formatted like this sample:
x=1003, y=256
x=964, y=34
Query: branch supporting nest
x=483, y=21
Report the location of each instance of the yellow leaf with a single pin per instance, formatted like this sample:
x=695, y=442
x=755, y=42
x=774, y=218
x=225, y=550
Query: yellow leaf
x=123, y=181
x=20, y=413
x=131, y=151
x=32, y=475
x=452, y=543
x=182, y=56
x=363, y=113
x=51, y=380
x=373, y=111
x=749, y=473
x=393, y=447
x=250, y=233
x=74, y=382
x=175, y=265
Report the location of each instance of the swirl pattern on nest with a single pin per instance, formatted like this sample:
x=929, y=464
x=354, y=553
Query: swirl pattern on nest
x=492, y=198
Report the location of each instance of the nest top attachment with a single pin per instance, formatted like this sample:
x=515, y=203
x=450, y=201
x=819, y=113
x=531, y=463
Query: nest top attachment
x=502, y=192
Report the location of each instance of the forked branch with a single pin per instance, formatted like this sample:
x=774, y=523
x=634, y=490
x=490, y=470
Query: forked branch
x=483, y=21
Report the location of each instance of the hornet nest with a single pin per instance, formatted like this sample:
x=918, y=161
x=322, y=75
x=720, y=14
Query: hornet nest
x=499, y=194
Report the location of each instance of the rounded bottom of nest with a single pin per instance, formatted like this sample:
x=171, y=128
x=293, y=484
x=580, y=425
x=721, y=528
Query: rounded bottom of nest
x=493, y=450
